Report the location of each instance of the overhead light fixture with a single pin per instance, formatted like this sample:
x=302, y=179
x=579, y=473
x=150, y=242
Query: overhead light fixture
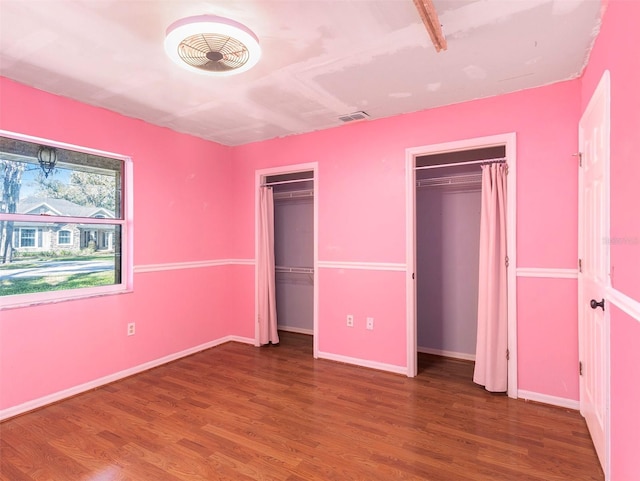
x=431, y=22
x=47, y=157
x=212, y=45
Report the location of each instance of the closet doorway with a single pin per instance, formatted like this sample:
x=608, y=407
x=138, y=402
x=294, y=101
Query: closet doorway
x=444, y=189
x=294, y=196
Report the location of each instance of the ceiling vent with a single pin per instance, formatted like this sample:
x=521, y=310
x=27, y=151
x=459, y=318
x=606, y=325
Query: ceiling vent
x=212, y=45
x=360, y=115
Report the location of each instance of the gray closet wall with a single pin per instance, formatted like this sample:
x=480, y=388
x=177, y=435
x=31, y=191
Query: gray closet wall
x=293, y=240
x=447, y=249
x=447, y=234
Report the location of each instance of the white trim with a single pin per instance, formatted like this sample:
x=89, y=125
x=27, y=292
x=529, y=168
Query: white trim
x=371, y=266
x=547, y=273
x=452, y=354
x=411, y=256
x=628, y=305
x=75, y=390
x=62, y=145
x=512, y=334
x=260, y=177
x=242, y=339
x=241, y=262
x=546, y=399
x=363, y=362
x=171, y=266
x=296, y=330
x=507, y=140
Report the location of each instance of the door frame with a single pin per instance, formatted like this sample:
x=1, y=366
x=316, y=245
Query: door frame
x=602, y=89
x=260, y=177
x=508, y=140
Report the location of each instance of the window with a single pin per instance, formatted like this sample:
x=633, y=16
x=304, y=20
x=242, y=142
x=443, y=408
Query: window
x=50, y=195
x=64, y=237
x=27, y=237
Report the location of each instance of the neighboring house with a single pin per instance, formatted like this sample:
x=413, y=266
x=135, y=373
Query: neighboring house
x=61, y=237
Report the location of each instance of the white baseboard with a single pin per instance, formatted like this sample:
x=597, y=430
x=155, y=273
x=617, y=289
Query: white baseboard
x=75, y=390
x=546, y=399
x=297, y=330
x=452, y=354
x=363, y=362
x=244, y=340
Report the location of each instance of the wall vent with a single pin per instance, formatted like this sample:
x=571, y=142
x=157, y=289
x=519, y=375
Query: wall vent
x=360, y=115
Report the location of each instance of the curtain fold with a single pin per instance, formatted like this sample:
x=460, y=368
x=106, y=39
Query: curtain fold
x=491, y=345
x=267, y=317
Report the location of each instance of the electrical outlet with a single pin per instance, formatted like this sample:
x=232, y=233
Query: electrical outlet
x=370, y=323
x=349, y=320
x=131, y=329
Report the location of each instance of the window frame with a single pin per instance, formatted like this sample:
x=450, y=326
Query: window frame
x=69, y=233
x=125, y=223
x=22, y=231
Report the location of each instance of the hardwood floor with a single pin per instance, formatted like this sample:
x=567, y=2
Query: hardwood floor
x=237, y=412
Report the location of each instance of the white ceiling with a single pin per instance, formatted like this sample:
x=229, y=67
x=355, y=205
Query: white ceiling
x=321, y=58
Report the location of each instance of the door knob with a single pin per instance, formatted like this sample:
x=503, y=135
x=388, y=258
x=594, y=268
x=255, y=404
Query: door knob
x=595, y=304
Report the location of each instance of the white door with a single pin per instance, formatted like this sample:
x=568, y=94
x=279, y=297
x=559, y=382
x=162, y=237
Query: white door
x=593, y=279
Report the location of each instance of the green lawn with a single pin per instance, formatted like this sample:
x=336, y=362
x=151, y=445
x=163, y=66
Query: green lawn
x=27, y=262
x=58, y=282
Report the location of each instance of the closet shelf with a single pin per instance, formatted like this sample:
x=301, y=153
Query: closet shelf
x=297, y=270
x=451, y=180
x=293, y=194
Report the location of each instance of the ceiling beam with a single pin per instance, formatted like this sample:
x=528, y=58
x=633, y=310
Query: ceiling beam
x=430, y=19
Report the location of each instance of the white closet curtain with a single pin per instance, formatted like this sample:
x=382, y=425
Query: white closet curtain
x=491, y=346
x=267, y=317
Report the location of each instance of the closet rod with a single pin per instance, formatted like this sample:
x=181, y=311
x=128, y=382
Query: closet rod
x=268, y=184
x=471, y=162
x=299, y=270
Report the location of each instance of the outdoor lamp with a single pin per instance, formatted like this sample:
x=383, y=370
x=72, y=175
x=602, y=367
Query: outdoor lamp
x=47, y=157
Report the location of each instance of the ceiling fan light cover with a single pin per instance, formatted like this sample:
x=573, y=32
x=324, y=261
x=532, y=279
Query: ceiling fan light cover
x=212, y=45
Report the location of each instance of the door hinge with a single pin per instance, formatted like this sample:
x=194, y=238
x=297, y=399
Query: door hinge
x=579, y=155
x=507, y=354
x=506, y=261
x=580, y=265
x=413, y=275
x=580, y=365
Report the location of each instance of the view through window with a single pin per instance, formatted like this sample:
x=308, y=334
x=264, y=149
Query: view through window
x=61, y=220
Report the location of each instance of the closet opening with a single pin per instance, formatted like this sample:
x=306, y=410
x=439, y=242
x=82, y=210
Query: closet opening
x=293, y=246
x=448, y=198
x=445, y=259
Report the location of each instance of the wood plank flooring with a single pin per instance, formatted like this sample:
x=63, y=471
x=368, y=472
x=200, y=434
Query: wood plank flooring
x=237, y=412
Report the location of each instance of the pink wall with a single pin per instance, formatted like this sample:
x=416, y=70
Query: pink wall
x=361, y=293
x=615, y=50
x=361, y=194
x=49, y=348
x=549, y=308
